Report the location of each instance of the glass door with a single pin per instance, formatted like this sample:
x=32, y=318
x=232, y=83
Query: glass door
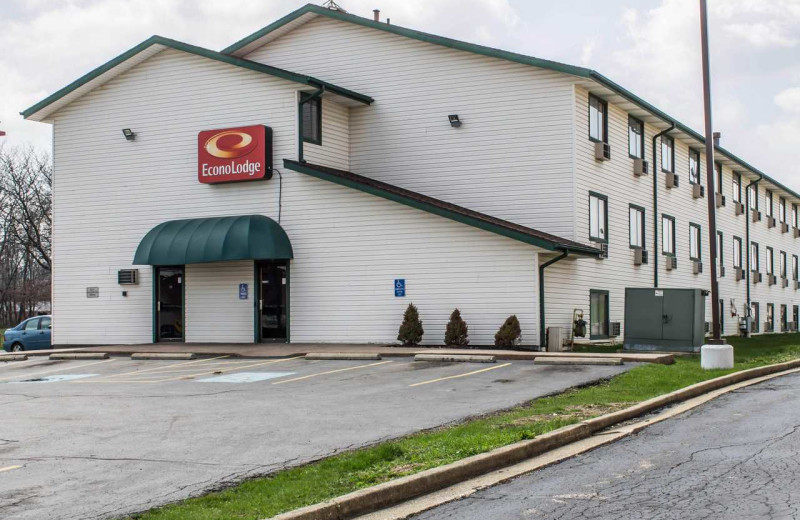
x=598, y=305
x=169, y=304
x=273, y=301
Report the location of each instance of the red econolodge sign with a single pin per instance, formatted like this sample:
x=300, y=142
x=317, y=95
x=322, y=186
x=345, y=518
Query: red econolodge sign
x=234, y=154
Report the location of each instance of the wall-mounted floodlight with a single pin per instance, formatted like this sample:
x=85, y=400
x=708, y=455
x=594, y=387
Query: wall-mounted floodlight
x=129, y=134
x=455, y=122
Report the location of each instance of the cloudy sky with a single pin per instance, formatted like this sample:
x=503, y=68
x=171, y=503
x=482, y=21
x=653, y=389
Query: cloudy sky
x=649, y=46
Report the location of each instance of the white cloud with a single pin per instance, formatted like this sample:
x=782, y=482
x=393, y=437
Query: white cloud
x=768, y=34
x=789, y=99
x=587, y=52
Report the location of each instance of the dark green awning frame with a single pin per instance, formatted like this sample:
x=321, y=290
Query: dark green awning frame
x=218, y=239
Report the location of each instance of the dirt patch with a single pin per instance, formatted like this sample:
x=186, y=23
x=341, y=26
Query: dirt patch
x=406, y=468
x=579, y=412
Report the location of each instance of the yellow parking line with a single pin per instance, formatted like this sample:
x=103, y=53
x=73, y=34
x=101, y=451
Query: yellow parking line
x=230, y=369
x=162, y=367
x=329, y=372
x=460, y=375
x=9, y=468
x=71, y=367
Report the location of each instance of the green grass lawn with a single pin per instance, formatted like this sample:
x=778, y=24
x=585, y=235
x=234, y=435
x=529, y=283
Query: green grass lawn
x=290, y=489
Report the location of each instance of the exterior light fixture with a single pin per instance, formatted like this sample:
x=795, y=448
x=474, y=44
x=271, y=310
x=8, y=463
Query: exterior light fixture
x=128, y=133
x=455, y=122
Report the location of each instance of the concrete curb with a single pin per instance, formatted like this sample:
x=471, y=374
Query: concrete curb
x=80, y=355
x=577, y=361
x=342, y=356
x=400, y=490
x=13, y=357
x=179, y=356
x=449, y=358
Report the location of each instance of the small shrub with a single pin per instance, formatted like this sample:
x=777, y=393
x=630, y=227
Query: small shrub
x=457, y=332
x=509, y=334
x=411, y=329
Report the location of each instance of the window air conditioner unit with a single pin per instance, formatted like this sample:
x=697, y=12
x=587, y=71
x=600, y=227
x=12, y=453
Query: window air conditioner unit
x=756, y=215
x=128, y=277
x=639, y=256
x=755, y=276
x=698, y=191
x=671, y=180
x=739, y=273
x=708, y=327
x=796, y=285
x=602, y=151
x=616, y=329
x=739, y=208
x=771, y=279
x=640, y=167
x=720, y=200
x=697, y=266
x=604, y=250
x=721, y=271
x=770, y=222
x=672, y=263
x=796, y=233
x=784, y=282
x=784, y=227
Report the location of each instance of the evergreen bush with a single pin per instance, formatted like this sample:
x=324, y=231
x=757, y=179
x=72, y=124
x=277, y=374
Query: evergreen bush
x=411, y=329
x=457, y=333
x=509, y=334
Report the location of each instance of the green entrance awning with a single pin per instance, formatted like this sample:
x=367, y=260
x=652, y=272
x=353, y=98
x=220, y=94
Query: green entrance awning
x=218, y=239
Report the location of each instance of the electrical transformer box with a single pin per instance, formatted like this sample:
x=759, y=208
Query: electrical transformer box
x=664, y=319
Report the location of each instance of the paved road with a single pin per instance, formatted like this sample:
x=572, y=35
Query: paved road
x=103, y=439
x=737, y=457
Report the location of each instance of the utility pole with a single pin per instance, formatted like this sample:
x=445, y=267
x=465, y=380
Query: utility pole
x=715, y=354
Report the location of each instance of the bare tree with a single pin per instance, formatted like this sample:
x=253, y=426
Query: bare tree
x=26, y=180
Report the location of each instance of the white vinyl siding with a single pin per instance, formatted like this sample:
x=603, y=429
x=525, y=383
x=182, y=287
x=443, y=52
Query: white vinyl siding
x=214, y=313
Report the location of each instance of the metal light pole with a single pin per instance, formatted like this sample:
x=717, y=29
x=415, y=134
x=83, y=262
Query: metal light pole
x=715, y=354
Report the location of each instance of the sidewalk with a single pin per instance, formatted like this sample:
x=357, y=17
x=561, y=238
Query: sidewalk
x=298, y=349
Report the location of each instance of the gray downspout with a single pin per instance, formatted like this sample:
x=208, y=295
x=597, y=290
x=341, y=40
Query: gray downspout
x=303, y=101
x=542, y=328
x=747, y=239
x=656, y=221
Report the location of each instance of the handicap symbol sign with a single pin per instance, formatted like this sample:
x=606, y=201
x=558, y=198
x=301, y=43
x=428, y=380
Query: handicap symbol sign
x=400, y=287
x=242, y=291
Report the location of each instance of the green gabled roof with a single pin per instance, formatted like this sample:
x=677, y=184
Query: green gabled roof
x=573, y=70
x=198, y=51
x=443, y=209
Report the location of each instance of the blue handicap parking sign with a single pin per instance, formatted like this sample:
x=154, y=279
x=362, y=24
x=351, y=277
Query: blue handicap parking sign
x=242, y=291
x=400, y=287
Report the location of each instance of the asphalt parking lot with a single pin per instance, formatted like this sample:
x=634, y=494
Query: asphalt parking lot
x=105, y=438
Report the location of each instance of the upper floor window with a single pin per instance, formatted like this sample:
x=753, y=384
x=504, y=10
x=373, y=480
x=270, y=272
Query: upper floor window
x=768, y=208
x=720, y=255
x=795, y=265
x=636, y=217
x=667, y=235
x=694, y=242
x=782, y=210
x=667, y=153
x=770, y=259
x=737, y=252
x=737, y=187
x=718, y=177
x=752, y=193
x=598, y=119
x=794, y=215
x=312, y=121
x=694, y=167
x=598, y=217
x=782, y=264
x=635, y=138
x=754, y=257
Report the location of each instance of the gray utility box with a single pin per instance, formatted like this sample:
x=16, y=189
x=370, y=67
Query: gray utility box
x=665, y=319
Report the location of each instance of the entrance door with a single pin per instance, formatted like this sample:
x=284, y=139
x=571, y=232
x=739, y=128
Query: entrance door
x=598, y=309
x=273, y=301
x=169, y=304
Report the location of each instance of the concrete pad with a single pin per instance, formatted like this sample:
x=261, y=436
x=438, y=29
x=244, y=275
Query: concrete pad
x=577, y=361
x=343, y=356
x=175, y=356
x=450, y=358
x=13, y=357
x=80, y=355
